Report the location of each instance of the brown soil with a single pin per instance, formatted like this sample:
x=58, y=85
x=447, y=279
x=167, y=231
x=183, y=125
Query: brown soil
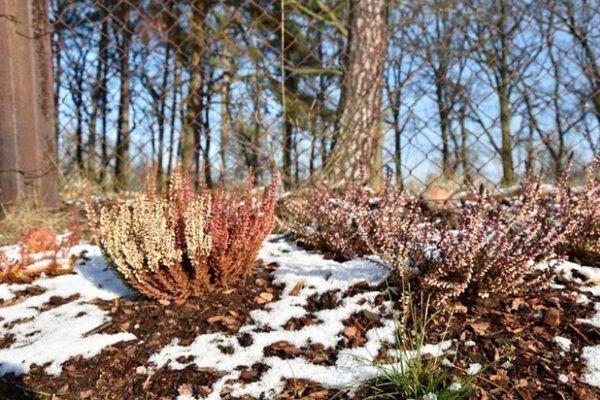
x=513, y=340
x=120, y=371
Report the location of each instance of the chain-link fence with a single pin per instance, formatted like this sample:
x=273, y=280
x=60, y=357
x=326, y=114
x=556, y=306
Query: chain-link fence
x=439, y=91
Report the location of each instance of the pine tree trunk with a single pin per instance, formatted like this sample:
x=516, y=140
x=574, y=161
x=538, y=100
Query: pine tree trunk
x=360, y=135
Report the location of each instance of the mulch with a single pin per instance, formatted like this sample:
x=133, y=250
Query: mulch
x=120, y=372
x=513, y=340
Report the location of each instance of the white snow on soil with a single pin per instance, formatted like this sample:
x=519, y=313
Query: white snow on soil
x=589, y=279
x=563, y=342
x=318, y=276
x=49, y=338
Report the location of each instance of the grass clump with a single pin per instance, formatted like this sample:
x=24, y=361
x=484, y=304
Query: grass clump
x=414, y=370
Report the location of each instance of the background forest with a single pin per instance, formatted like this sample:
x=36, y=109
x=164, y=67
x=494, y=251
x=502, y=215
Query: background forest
x=439, y=91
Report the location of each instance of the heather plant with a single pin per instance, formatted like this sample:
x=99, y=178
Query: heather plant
x=447, y=258
x=389, y=229
x=497, y=246
x=584, y=238
x=329, y=220
x=183, y=244
x=40, y=252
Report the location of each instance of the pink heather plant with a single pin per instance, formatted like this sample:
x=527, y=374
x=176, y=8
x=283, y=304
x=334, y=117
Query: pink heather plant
x=497, y=247
x=584, y=238
x=329, y=220
x=389, y=228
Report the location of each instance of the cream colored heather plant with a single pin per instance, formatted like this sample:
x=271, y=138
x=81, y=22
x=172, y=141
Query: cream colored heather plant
x=164, y=246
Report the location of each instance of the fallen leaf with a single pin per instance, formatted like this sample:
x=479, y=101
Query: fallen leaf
x=222, y=319
x=552, y=317
x=352, y=332
x=460, y=308
x=481, y=328
x=266, y=296
x=297, y=288
x=323, y=394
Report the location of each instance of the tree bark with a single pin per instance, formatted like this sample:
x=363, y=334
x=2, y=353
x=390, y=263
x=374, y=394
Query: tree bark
x=97, y=93
x=123, y=131
x=360, y=136
x=27, y=140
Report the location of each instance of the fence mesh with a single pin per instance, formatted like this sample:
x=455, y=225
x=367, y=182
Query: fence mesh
x=457, y=91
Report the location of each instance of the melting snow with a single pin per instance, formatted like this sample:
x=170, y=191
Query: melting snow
x=563, y=342
x=59, y=333
x=319, y=276
x=50, y=337
x=590, y=284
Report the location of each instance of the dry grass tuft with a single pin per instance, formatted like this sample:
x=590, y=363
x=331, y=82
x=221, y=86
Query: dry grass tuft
x=21, y=214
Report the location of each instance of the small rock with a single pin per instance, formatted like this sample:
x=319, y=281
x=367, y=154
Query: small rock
x=186, y=390
x=552, y=317
x=141, y=370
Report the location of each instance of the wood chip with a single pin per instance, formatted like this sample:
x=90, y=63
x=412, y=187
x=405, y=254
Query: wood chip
x=297, y=288
x=481, y=328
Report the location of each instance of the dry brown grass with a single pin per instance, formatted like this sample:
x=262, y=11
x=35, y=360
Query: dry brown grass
x=22, y=215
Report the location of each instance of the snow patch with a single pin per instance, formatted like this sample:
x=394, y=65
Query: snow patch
x=563, y=342
x=591, y=355
x=55, y=335
x=590, y=284
x=318, y=275
x=474, y=369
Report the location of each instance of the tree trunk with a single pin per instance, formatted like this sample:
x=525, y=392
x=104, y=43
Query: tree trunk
x=96, y=97
x=508, y=170
x=360, y=136
x=192, y=131
x=443, y=112
x=174, y=106
x=123, y=132
x=27, y=139
x=396, y=104
x=503, y=92
x=103, y=118
x=161, y=117
x=291, y=87
x=225, y=113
